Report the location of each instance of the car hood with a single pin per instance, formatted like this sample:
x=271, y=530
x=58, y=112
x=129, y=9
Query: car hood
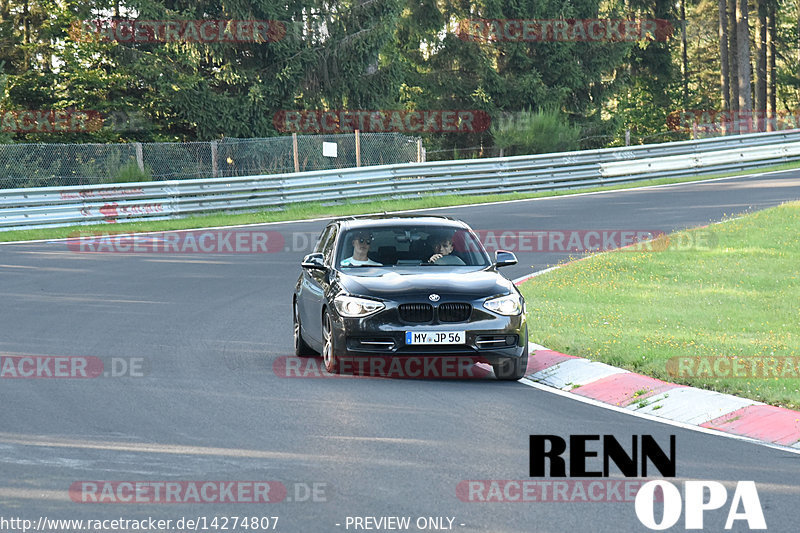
x=393, y=285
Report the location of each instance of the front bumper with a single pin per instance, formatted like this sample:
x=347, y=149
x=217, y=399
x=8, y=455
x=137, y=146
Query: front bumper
x=490, y=337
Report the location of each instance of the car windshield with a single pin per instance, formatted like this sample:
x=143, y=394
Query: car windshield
x=410, y=246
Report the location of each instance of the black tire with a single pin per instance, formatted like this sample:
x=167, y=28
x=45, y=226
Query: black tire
x=301, y=349
x=329, y=356
x=512, y=369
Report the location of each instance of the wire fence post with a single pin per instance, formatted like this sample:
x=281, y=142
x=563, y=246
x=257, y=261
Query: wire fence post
x=214, y=162
x=294, y=151
x=139, y=157
x=358, y=148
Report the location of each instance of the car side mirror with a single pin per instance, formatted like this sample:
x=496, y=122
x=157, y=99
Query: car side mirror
x=503, y=258
x=315, y=261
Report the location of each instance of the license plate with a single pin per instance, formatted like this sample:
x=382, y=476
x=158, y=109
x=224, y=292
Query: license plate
x=435, y=337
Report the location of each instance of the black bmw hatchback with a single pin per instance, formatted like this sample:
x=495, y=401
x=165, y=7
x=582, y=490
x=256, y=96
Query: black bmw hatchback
x=403, y=286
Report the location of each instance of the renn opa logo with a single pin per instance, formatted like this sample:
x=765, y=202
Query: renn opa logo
x=546, y=460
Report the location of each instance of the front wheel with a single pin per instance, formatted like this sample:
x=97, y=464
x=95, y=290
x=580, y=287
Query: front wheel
x=301, y=349
x=329, y=356
x=512, y=369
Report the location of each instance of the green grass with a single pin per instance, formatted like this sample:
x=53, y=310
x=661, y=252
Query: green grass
x=638, y=310
x=318, y=209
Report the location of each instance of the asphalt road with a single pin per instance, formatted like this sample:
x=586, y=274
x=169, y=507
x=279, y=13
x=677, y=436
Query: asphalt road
x=207, y=328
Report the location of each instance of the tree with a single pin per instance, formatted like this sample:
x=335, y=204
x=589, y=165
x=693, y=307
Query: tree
x=390, y=54
x=725, y=79
x=771, y=84
x=761, y=66
x=743, y=62
x=733, y=64
x=684, y=56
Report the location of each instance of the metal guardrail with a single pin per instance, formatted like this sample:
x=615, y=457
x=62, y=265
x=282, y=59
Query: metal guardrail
x=62, y=206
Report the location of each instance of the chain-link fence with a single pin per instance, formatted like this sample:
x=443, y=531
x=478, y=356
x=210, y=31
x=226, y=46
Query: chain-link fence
x=41, y=165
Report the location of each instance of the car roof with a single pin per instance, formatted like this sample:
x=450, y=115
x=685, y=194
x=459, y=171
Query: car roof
x=373, y=221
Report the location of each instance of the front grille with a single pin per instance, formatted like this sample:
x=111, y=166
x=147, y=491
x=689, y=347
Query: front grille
x=454, y=312
x=416, y=312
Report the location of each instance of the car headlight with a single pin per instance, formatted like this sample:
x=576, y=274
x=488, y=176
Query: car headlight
x=508, y=305
x=354, y=307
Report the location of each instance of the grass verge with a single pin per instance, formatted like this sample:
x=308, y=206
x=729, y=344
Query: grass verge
x=722, y=316
x=318, y=209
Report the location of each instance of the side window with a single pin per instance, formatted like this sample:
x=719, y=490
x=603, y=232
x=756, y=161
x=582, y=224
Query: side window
x=328, y=247
x=323, y=238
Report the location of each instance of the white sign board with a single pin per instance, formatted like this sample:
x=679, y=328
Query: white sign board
x=329, y=149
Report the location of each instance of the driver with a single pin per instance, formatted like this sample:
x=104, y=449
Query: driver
x=442, y=248
x=361, y=243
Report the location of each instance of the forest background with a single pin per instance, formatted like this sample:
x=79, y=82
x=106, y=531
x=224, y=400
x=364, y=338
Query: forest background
x=721, y=61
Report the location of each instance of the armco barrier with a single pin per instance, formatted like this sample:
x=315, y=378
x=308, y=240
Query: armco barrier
x=62, y=206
